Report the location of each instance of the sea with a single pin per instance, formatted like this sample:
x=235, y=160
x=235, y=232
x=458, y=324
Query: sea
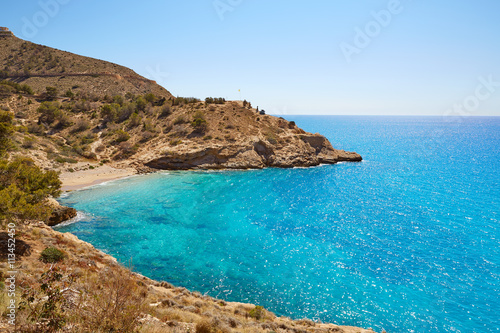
x=405, y=241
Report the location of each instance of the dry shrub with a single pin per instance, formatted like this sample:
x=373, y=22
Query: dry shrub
x=173, y=314
x=100, y=148
x=306, y=322
x=81, y=125
x=152, y=328
x=233, y=322
x=169, y=303
x=204, y=326
x=214, y=325
x=45, y=303
x=113, y=304
x=191, y=308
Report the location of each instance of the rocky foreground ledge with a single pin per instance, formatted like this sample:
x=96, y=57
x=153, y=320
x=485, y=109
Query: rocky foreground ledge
x=90, y=281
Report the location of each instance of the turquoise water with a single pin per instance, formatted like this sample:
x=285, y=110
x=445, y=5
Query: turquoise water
x=407, y=240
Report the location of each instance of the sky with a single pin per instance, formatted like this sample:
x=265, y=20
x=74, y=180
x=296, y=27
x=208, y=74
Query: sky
x=340, y=57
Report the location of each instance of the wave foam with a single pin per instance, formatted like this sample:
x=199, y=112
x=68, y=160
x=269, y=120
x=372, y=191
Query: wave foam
x=80, y=216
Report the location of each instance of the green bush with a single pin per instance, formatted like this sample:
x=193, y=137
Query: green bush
x=124, y=112
x=135, y=120
x=49, y=112
x=118, y=99
x=185, y=100
x=175, y=142
x=69, y=94
x=6, y=130
x=61, y=159
x=109, y=112
x=24, y=188
x=18, y=88
x=165, y=111
x=63, y=120
x=122, y=136
x=42, y=303
x=141, y=104
x=34, y=128
x=258, y=312
x=81, y=125
x=179, y=120
x=50, y=93
x=199, y=123
x=150, y=98
x=28, y=142
x=216, y=100
x=149, y=126
x=51, y=255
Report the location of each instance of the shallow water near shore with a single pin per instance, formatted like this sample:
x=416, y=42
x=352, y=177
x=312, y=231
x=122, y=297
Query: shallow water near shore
x=406, y=241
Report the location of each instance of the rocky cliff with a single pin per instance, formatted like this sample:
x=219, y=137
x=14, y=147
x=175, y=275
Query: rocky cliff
x=288, y=147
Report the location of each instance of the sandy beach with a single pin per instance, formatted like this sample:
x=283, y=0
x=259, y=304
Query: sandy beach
x=83, y=178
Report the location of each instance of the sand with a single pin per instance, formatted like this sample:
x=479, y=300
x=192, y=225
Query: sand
x=83, y=178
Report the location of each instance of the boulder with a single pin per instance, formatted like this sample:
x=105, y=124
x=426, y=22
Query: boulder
x=60, y=213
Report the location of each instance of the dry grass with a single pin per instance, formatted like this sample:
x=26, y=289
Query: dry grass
x=113, y=301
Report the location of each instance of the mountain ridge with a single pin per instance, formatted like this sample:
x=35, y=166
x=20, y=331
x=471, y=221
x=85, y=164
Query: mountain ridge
x=29, y=63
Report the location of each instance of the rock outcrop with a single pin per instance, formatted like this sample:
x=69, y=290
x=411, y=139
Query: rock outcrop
x=60, y=213
x=255, y=153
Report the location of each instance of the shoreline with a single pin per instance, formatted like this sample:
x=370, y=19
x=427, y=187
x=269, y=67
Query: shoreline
x=77, y=180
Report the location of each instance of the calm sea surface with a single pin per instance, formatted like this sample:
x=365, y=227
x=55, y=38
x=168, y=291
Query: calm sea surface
x=406, y=241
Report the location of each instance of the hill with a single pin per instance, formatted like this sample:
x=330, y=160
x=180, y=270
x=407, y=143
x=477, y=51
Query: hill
x=40, y=66
x=69, y=108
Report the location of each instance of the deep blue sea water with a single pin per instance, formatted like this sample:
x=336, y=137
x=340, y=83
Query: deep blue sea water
x=406, y=241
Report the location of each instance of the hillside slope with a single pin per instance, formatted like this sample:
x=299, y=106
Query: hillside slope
x=40, y=66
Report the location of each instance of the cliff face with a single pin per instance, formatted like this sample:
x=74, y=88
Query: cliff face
x=255, y=153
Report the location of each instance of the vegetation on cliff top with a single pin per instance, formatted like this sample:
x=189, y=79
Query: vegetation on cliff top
x=24, y=187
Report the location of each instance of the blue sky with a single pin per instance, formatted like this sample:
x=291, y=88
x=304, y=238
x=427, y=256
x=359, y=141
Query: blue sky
x=407, y=57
